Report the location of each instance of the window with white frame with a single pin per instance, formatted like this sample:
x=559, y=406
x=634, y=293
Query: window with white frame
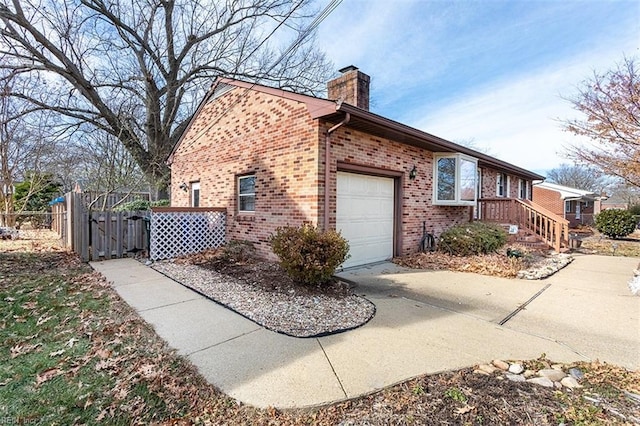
x=524, y=189
x=455, y=179
x=247, y=193
x=502, y=185
x=195, y=194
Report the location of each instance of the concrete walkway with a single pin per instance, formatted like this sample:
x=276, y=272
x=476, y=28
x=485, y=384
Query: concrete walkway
x=426, y=322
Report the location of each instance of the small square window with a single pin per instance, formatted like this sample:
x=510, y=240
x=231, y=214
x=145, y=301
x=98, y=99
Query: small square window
x=247, y=193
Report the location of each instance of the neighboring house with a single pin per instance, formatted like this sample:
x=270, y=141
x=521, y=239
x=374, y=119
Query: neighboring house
x=576, y=205
x=615, y=202
x=275, y=158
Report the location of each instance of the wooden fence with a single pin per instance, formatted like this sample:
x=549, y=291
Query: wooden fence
x=100, y=234
x=161, y=234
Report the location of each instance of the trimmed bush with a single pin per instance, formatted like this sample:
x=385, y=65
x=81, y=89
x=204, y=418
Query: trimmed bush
x=615, y=223
x=472, y=238
x=140, y=205
x=308, y=255
x=238, y=251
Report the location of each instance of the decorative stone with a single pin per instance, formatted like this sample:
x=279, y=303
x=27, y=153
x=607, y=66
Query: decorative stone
x=484, y=373
x=552, y=374
x=557, y=385
x=489, y=369
x=516, y=368
x=557, y=367
x=570, y=382
x=576, y=373
x=542, y=381
x=515, y=377
x=529, y=374
x=502, y=365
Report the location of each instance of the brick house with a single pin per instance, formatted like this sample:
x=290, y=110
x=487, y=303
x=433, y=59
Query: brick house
x=276, y=158
x=576, y=205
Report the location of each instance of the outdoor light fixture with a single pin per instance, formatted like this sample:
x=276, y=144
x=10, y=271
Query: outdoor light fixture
x=184, y=187
x=413, y=173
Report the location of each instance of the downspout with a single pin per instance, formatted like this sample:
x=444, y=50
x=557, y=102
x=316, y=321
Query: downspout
x=327, y=171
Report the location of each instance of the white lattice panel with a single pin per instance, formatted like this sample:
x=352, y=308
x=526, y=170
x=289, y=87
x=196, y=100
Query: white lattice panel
x=175, y=234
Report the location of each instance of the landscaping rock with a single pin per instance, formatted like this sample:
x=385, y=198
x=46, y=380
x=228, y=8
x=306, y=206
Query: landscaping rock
x=552, y=374
x=502, y=365
x=515, y=377
x=576, y=373
x=516, y=368
x=489, y=369
x=570, y=382
x=529, y=374
x=550, y=266
x=542, y=381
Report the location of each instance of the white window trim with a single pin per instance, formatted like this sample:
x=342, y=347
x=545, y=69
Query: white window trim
x=457, y=201
x=527, y=189
x=507, y=192
x=195, y=186
x=247, y=194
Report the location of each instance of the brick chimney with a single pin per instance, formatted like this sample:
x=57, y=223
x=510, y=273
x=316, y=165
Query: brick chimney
x=351, y=87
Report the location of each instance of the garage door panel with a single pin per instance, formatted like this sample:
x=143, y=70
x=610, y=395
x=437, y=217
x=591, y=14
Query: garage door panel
x=365, y=208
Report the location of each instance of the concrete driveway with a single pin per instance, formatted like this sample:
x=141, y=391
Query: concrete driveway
x=426, y=322
x=586, y=307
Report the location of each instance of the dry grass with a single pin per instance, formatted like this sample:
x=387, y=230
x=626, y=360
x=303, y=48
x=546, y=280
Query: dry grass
x=74, y=353
x=33, y=240
x=599, y=244
x=497, y=264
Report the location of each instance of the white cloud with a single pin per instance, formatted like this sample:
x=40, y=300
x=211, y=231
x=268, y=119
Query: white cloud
x=516, y=119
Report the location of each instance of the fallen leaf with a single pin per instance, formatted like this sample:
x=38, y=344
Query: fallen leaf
x=9, y=299
x=103, y=353
x=47, y=375
x=465, y=409
x=30, y=305
x=21, y=349
x=56, y=353
x=42, y=320
x=72, y=342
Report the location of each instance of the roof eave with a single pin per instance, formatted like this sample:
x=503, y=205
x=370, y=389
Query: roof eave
x=422, y=139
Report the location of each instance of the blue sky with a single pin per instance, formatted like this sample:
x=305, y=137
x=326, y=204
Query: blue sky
x=490, y=72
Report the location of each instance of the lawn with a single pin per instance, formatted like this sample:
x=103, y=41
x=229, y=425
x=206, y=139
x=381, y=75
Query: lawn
x=599, y=244
x=74, y=353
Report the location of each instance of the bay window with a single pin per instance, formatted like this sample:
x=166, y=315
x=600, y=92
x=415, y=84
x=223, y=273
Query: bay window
x=455, y=179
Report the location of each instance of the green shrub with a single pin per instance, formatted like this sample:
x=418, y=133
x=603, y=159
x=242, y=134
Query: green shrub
x=140, y=205
x=472, y=238
x=634, y=209
x=308, y=255
x=238, y=251
x=615, y=223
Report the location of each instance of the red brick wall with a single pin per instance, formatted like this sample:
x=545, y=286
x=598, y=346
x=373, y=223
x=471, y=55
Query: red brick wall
x=251, y=132
x=272, y=137
x=489, y=182
x=350, y=146
x=548, y=199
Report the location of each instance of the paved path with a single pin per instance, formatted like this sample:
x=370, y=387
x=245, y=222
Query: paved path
x=426, y=322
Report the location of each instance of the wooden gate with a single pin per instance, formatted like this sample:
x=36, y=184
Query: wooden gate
x=116, y=234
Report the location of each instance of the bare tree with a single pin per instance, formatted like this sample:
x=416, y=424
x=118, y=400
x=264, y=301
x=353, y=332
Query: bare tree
x=136, y=70
x=611, y=104
x=579, y=176
x=26, y=149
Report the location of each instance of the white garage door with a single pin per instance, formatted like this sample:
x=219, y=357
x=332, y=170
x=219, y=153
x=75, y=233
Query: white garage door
x=365, y=217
